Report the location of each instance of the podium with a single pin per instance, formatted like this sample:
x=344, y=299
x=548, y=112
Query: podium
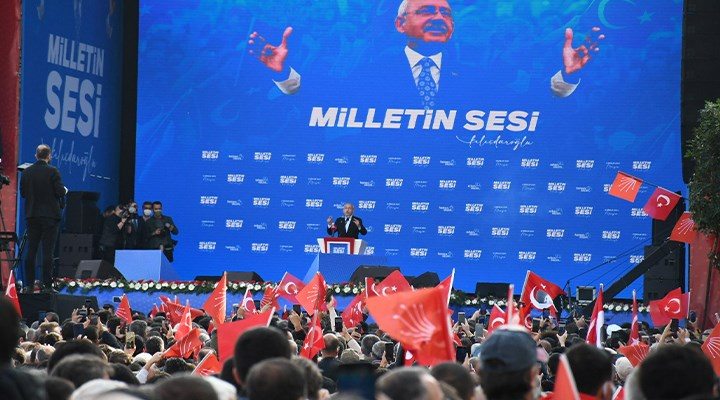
x=339, y=258
x=138, y=265
x=341, y=245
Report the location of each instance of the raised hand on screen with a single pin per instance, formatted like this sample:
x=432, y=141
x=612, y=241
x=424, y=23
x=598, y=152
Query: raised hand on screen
x=575, y=58
x=272, y=56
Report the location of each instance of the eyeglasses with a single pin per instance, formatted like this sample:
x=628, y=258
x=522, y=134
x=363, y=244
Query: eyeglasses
x=432, y=10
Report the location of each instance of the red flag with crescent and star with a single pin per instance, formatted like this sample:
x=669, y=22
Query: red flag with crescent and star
x=674, y=305
x=248, y=303
x=289, y=287
x=625, y=187
x=352, y=315
x=393, y=283
x=661, y=203
x=497, y=319
x=314, y=340
x=11, y=293
x=539, y=293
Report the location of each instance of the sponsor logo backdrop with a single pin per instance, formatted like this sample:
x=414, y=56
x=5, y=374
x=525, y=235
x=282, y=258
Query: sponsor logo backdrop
x=502, y=177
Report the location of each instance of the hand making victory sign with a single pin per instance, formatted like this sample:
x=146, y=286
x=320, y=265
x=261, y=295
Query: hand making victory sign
x=272, y=56
x=574, y=59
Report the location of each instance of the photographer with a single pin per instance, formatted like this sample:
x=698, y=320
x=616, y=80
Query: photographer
x=112, y=233
x=132, y=238
x=157, y=231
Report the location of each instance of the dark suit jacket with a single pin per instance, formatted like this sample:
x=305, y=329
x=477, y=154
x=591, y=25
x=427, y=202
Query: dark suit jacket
x=111, y=234
x=43, y=191
x=353, y=231
x=155, y=241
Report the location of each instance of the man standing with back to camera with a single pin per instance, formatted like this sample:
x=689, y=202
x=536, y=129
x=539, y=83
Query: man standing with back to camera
x=42, y=188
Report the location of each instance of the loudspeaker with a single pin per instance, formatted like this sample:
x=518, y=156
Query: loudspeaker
x=425, y=280
x=700, y=81
x=32, y=304
x=371, y=271
x=492, y=289
x=75, y=247
x=82, y=213
x=97, y=269
x=667, y=274
x=234, y=276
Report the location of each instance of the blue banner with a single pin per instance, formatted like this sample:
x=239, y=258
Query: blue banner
x=71, y=90
x=476, y=136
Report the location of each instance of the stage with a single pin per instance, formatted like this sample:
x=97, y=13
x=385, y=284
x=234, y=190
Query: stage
x=144, y=294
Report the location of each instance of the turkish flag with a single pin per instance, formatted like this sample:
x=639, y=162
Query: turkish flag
x=419, y=321
x=228, y=334
x=565, y=387
x=684, y=230
x=248, y=304
x=185, y=347
x=11, y=293
x=393, y=283
x=711, y=348
x=597, y=320
x=216, y=305
x=661, y=203
x=123, y=311
x=447, y=285
x=674, y=305
x=314, y=340
x=352, y=315
x=634, y=326
x=289, y=287
x=539, y=293
x=635, y=353
x=313, y=295
x=185, y=325
x=210, y=365
x=497, y=318
x=370, y=286
x=625, y=186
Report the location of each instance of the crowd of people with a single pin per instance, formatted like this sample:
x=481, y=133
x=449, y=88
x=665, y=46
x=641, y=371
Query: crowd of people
x=89, y=356
x=124, y=226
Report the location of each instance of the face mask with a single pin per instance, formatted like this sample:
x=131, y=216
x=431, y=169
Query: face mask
x=132, y=210
x=147, y=212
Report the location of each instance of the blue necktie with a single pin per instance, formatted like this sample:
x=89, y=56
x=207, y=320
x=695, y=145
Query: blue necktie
x=426, y=85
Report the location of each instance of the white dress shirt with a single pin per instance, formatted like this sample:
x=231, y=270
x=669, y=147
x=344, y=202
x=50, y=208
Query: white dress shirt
x=414, y=59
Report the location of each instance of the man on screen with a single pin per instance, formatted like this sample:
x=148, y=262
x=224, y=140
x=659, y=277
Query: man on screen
x=428, y=26
x=348, y=225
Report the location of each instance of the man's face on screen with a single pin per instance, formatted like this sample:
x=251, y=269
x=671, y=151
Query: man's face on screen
x=427, y=20
x=348, y=209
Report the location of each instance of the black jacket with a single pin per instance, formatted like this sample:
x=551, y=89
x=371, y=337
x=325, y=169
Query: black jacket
x=353, y=231
x=111, y=234
x=164, y=239
x=43, y=191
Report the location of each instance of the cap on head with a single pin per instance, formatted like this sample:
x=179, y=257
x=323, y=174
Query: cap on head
x=508, y=350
